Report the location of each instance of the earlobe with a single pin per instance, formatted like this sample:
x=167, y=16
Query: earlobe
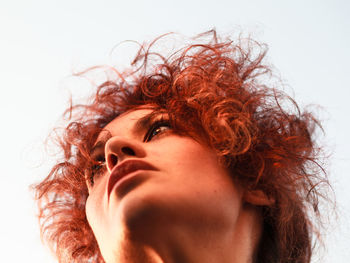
x=257, y=198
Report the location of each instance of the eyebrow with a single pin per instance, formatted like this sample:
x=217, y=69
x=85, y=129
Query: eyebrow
x=145, y=122
x=100, y=144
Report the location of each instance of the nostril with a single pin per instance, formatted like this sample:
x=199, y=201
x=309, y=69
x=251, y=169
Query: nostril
x=112, y=160
x=128, y=151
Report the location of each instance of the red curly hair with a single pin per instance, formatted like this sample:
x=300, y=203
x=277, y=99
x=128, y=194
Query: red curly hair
x=220, y=93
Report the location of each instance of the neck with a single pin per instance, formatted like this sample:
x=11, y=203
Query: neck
x=179, y=244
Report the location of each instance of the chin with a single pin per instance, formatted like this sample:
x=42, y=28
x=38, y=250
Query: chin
x=140, y=211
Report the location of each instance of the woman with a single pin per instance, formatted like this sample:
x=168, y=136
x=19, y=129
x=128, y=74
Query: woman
x=192, y=159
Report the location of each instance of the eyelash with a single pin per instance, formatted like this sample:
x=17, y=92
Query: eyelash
x=99, y=163
x=156, y=127
x=98, y=168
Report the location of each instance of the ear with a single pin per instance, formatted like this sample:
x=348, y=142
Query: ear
x=257, y=198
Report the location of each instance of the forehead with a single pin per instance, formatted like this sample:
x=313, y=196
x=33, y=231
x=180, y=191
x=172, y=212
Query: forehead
x=125, y=122
x=128, y=118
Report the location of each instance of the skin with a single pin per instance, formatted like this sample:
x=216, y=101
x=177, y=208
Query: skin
x=186, y=210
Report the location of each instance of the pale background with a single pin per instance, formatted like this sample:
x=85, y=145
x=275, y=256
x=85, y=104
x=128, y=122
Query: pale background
x=43, y=42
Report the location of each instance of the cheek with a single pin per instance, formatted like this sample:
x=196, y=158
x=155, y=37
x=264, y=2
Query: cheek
x=91, y=213
x=194, y=177
x=98, y=222
x=179, y=151
x=188, y=159
x=94, y=208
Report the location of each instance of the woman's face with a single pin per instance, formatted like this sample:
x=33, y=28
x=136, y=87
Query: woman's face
x=157, y=187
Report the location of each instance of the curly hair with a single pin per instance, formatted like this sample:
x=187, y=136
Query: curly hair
x=220, y=93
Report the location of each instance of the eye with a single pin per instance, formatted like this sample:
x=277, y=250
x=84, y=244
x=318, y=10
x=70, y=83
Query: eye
x=156, y=129
x=97, y=168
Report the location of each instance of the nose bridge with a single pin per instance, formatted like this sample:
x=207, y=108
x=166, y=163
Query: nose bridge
x=119, y=148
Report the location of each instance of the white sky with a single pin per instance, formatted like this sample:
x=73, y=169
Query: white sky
x=43, y=42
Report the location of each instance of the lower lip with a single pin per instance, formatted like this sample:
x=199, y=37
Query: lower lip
x=125, y=181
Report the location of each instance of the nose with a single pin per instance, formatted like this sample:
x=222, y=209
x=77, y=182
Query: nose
x=120, y=148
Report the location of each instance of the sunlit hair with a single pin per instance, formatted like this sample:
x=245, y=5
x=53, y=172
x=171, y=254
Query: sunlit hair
x=220, y=93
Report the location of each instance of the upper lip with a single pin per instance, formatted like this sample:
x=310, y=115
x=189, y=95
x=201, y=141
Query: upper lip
x=124, y=168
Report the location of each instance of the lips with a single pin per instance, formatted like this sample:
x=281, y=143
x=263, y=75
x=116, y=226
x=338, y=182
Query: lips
x=125, y=168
